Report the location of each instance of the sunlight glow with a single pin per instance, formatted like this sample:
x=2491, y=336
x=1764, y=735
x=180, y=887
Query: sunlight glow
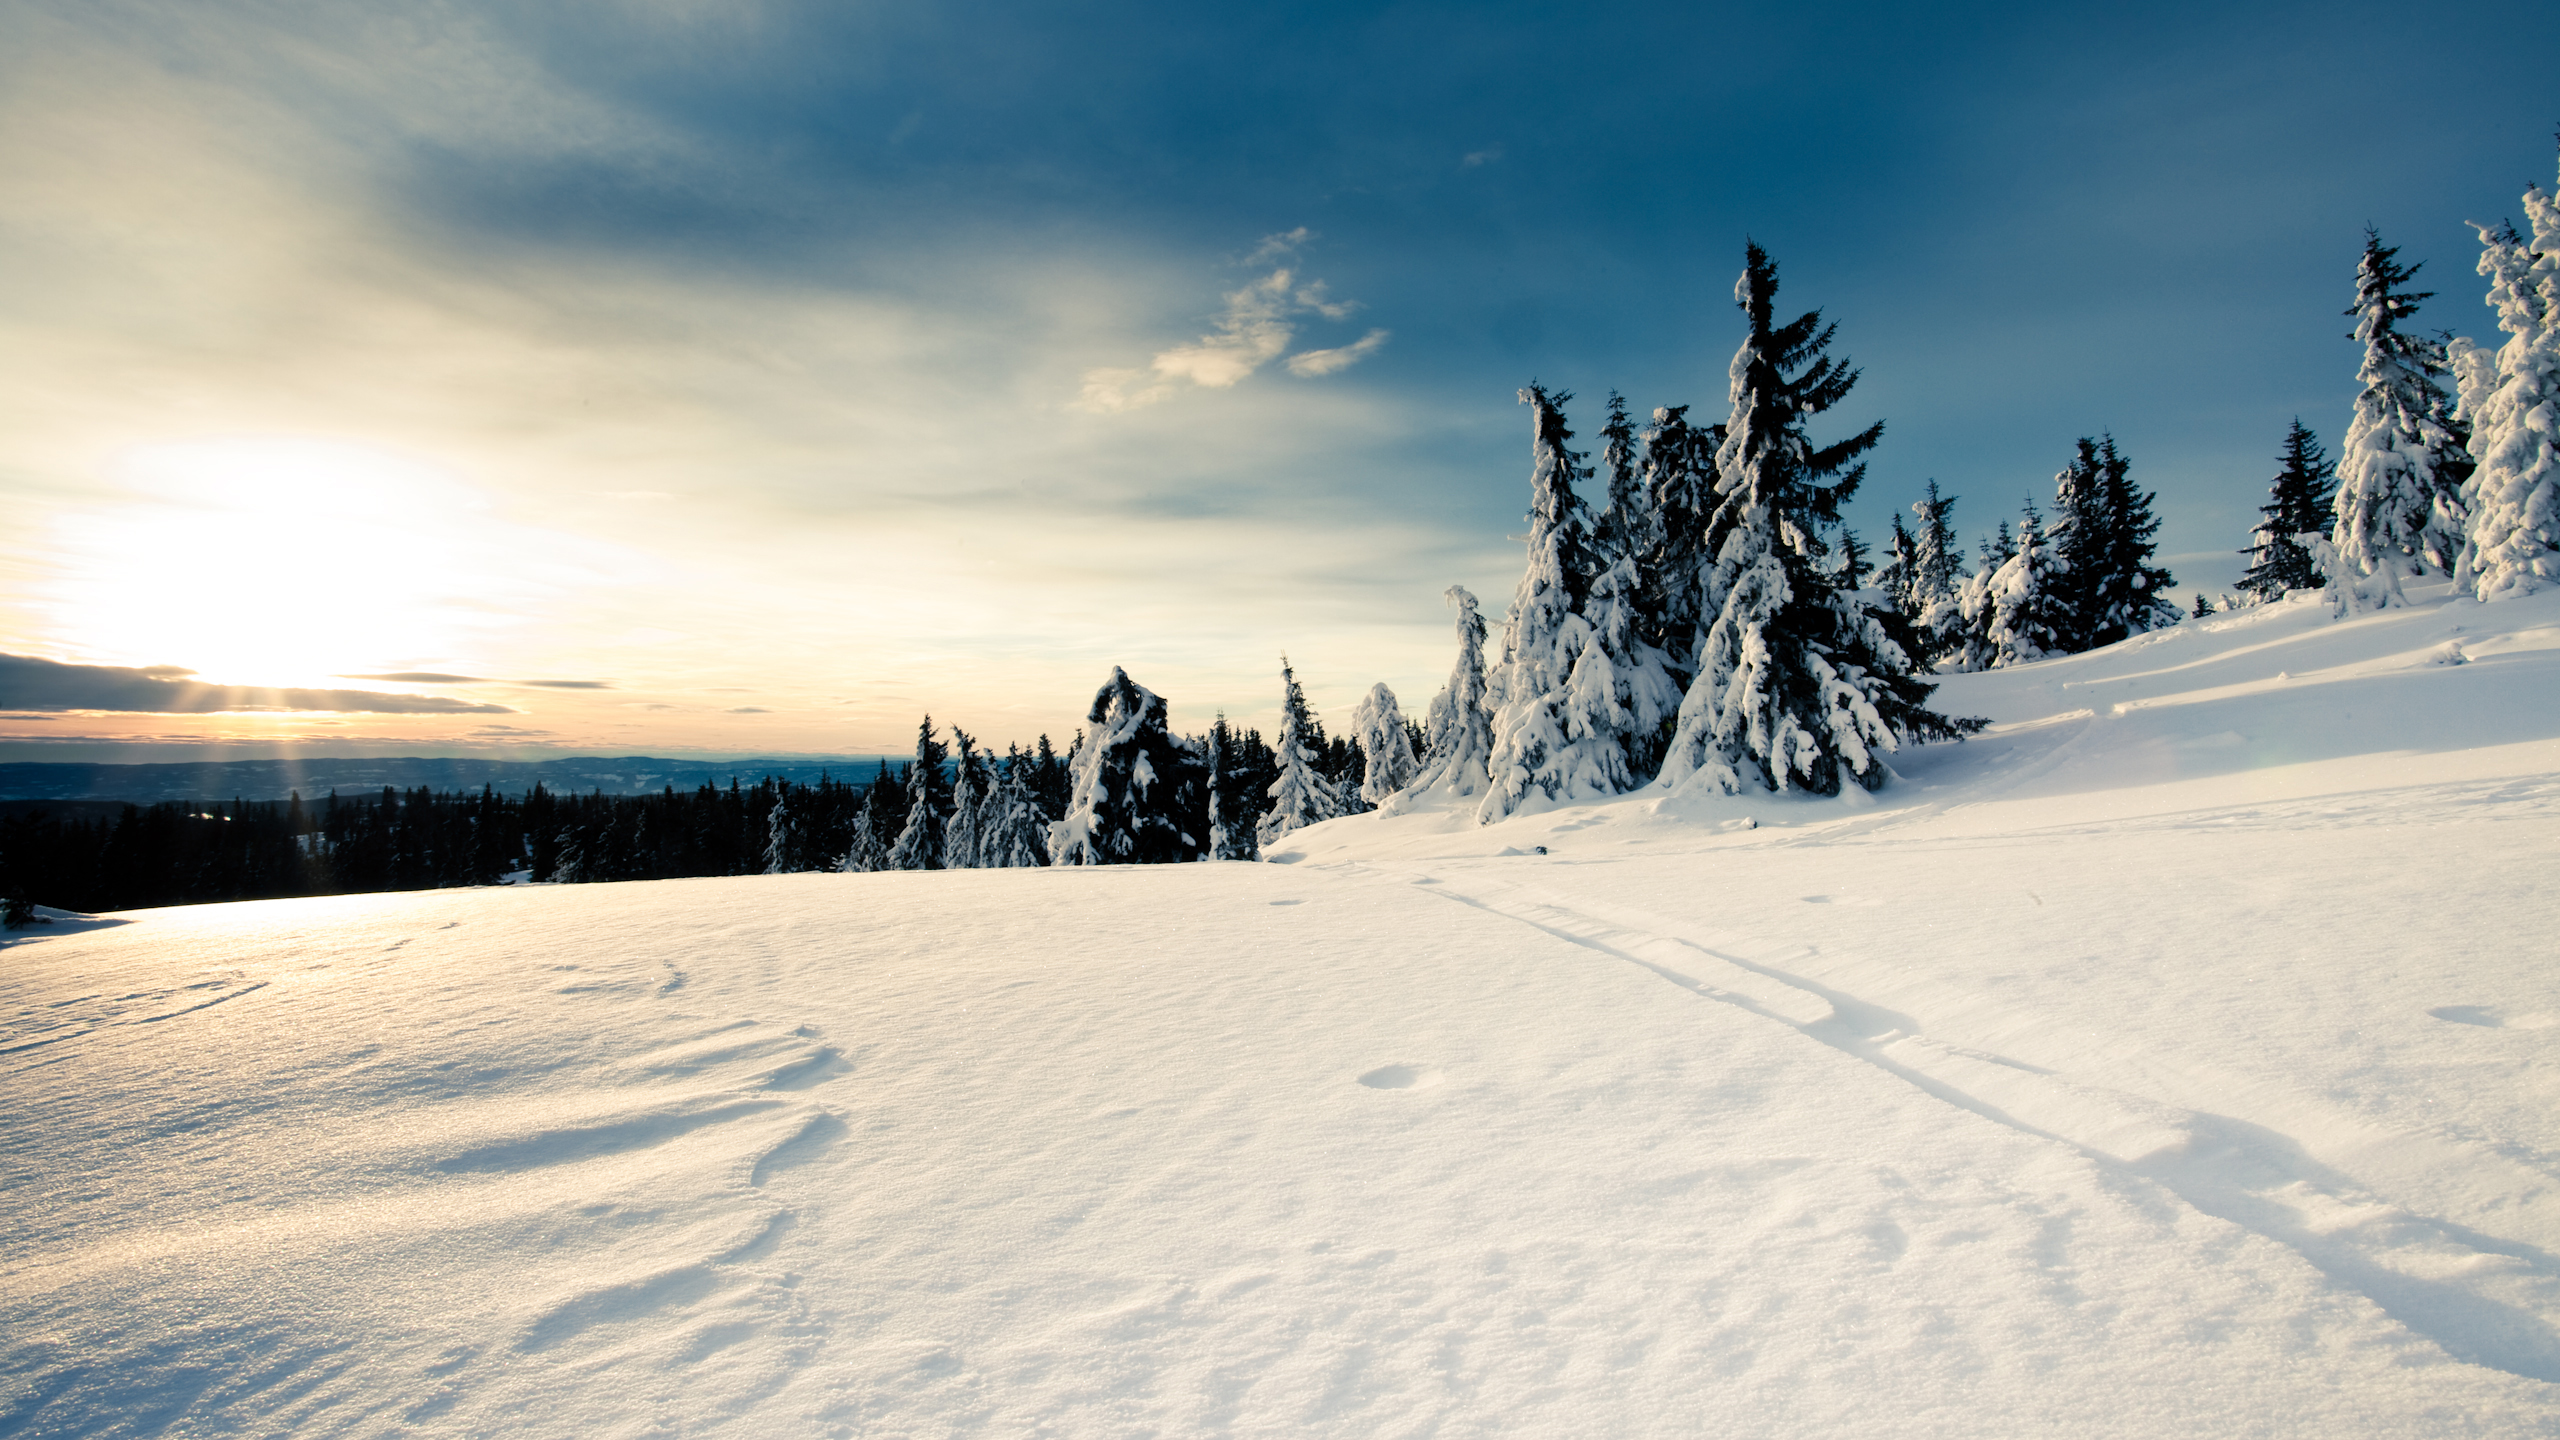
x=278, y=561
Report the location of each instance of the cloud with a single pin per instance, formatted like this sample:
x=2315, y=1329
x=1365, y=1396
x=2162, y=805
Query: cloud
x=1311, y=363
x=1485, y=156
x=438, y=677
x=750, y=710
x=28, y=683
x=1254, y=329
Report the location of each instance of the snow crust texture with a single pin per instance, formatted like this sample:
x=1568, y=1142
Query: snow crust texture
x=2177, y=1059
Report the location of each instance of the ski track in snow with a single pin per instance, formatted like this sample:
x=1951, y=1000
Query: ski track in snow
x=2482, y=1297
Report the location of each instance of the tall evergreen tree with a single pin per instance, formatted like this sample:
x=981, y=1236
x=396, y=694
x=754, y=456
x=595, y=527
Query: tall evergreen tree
x=2510, y=398
x=1582, y=697
x=1300, y=796
x=1625, y=526
x=1136, y=795
x=1931, y=601
x=781, y=842
x=864, y=853
x=919, y=845
x=1800, y=686
x=2398, y=504
x=1459, y=721
x=1680, y=478
x=2298, y=504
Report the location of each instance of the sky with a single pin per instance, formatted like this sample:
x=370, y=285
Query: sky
x=753, y=379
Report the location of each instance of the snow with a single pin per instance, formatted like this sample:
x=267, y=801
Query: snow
x=2177, y=1058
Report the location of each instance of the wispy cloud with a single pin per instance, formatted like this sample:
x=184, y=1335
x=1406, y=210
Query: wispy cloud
x=1485, y=156
x=1254, y=329
x=30, y=683
x=1324, y=362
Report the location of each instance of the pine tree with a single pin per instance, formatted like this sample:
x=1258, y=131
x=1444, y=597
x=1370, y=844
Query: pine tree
x=1854, y=568
x=1015, y=834
x=780, y=839
x=2398, y=505
x=1680, y=477
x=1581, y=698
x=2510, y=399
x=1135, y=794
x=1896, y=574
x=2202, y=607
x=1625, y=527
x=919, y=844
x=1932, y=603
x=1299, y=796
x=2298, y=504
x=1459, y=721
x=2027, y=608
x=1380, y=729
x=963, y=837
x=865, y=853
x=2101, y=544
x=1799, y=686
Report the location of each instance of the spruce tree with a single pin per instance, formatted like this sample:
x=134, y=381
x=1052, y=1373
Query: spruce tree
x=1977, y=609
x=1625, y=526
x=780, y=841
x=1300, y=795
x=1895, y=574
x=919, y=845
x=1379, y=727
x=1937, y=575
x=963, y=836
x=1136, y=795
x=2028, y=611
x=1015, y=833
x=2202, y=607
x=2101, y=543
x=2510, y=398
x=1459, y=720
x=1582, y=696
x=2298, y=504
x=1680, y=478
x=1800, y=686
x=2398, y=505
x=865, y=853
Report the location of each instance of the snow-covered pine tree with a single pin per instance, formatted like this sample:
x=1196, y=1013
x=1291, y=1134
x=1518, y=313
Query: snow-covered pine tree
x=1582, y=697
x=1625, y=527
x=1136, y=795
x=2398, y=503
x=1458, y=722
x=962, y=837
x=919, y=844
x=1800, y=687
x=1937, y=574
x=1680, y=476
x=2511, y=399
x=1015, y=832
x=2298, y=504
x=781, y=837
x=2026, y=608
x=865, y=854
x=1378, y=726
x=1300, y=796
x=2201, y=608
x=1893, y=574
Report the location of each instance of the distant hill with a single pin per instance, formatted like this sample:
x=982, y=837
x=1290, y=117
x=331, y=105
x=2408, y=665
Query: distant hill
x=274, y=779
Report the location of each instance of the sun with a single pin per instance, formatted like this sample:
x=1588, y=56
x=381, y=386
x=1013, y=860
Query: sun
x=272, y=561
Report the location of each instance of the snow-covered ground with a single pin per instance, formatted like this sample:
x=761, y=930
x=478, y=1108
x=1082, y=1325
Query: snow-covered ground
x=2181, y=1058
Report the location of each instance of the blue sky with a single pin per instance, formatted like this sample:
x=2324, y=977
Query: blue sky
x=787, y=370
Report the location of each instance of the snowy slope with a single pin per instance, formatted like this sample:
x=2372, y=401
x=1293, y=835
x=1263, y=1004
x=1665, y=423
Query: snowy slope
x=2177, y=1059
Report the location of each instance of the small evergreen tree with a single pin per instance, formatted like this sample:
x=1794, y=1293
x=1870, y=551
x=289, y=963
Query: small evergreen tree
x=2027, y=611
x=781, y=840
x=2510, y=399
x=865, y=854
x=919, y=845
x=1932, y=602
x=1379, y=726
x=1625, y=528
x=962, y=838
x=1459, y=721
x=2398, y=504
x=1799, y=686
x=2101, y=547
x=1015, y=834
x=1135, y=794
x=2298, y=504
x=2202, y=607
x=1300, y=796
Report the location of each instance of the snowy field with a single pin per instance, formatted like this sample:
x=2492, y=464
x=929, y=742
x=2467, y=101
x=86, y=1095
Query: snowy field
x=2181, y=1058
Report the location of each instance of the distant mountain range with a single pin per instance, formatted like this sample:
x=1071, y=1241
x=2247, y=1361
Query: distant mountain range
x=274, y=779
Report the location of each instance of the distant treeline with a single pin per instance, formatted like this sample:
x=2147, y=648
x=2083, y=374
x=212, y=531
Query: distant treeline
x=196, y=852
